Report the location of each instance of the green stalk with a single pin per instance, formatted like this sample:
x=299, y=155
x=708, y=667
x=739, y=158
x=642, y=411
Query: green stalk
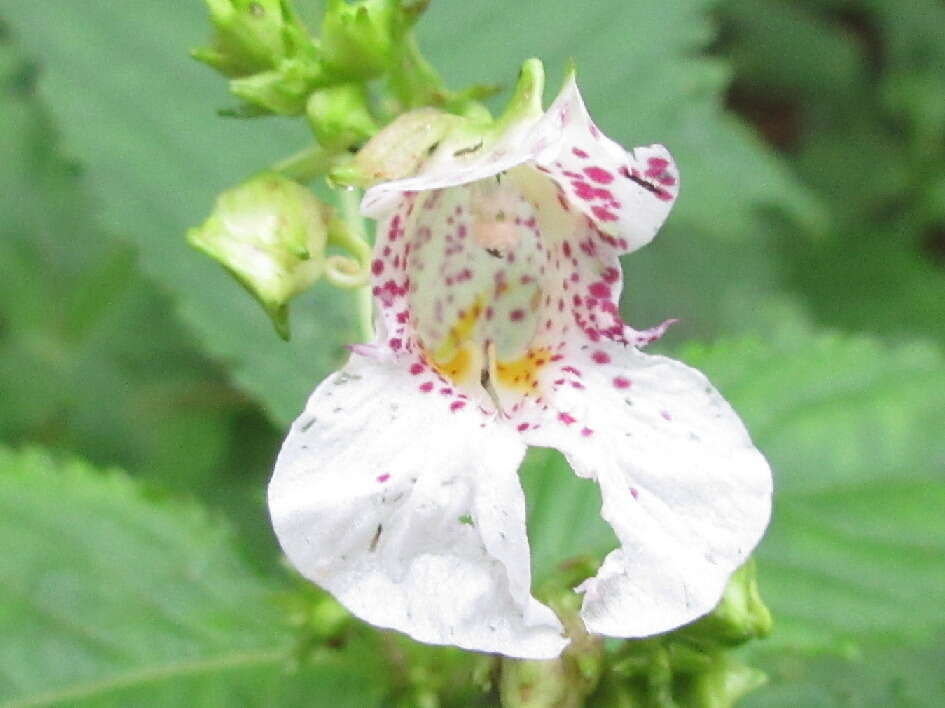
x=358, y=242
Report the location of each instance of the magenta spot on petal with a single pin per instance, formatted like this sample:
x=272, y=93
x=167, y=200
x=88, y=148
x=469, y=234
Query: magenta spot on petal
x=417, y=368
x=456, y=405
x=579, y=152
x=377, y=267
x=567, y=418
x=426, y=386
x=522, y=427
x=601, y=357
x=600, y=290
x=621, y=382
x=634, y=492
x=395, y=344
x=517, y=315
x=383, y=477
x=605, y=214
x=583, y=190
x=586, y=432
x=598, y=174
x=446, y=391
x=571, y=370
x=655, y=166
x=666, y=415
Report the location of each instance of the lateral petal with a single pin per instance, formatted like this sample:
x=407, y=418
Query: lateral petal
x=684, y=488
x=410, y=512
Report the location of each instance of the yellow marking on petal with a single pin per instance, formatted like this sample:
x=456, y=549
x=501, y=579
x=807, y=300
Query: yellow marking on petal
x=455, y=358
x=535, y=302
x=459, y=368
x=522, y=374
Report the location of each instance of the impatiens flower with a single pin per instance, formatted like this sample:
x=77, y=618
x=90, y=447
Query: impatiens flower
x=496, y=277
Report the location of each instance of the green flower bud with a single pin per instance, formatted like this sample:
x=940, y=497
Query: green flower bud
x=741, y=614
x=361, y=40
x=270, y=233
x=721, y=685
x=339, y=115
x=566, y=681
x=248, y=37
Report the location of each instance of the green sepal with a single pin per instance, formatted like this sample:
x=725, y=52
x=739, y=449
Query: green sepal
x=403, y=146
x=283, y=90
x=399, y=149
x=270, y=234
x=526, y=101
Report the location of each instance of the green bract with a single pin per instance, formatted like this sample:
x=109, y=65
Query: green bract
x=270, y=233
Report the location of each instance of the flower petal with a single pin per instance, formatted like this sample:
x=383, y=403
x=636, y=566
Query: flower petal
x=628, y=195
x=682, y=485
x=408, y=509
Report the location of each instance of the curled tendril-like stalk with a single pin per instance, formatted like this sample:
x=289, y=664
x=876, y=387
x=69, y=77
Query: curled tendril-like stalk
x=354, y=270
x=346, y=272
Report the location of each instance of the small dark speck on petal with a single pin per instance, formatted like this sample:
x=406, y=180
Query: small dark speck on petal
x=308, y=424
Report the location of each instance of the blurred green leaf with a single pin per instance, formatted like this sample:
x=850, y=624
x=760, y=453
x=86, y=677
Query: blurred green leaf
x=909, y=676
x=90, y=357
x=872, y=280
x=872, y=144
x=112, y=598
x=140, y=116
x=853, y=431
x=788, y=48
x=563, y=512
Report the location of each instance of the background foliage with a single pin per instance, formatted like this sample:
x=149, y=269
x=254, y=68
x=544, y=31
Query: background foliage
x=807, y=254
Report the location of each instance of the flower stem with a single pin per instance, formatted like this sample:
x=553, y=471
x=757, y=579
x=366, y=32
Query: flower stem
x=358, y=242
x=307, y=164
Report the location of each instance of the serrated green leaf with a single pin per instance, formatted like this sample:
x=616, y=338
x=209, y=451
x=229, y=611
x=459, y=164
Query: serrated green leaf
x=157, y=155
x=111, y=598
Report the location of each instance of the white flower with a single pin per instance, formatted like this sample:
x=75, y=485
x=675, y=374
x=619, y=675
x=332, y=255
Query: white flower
x=496, y=276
